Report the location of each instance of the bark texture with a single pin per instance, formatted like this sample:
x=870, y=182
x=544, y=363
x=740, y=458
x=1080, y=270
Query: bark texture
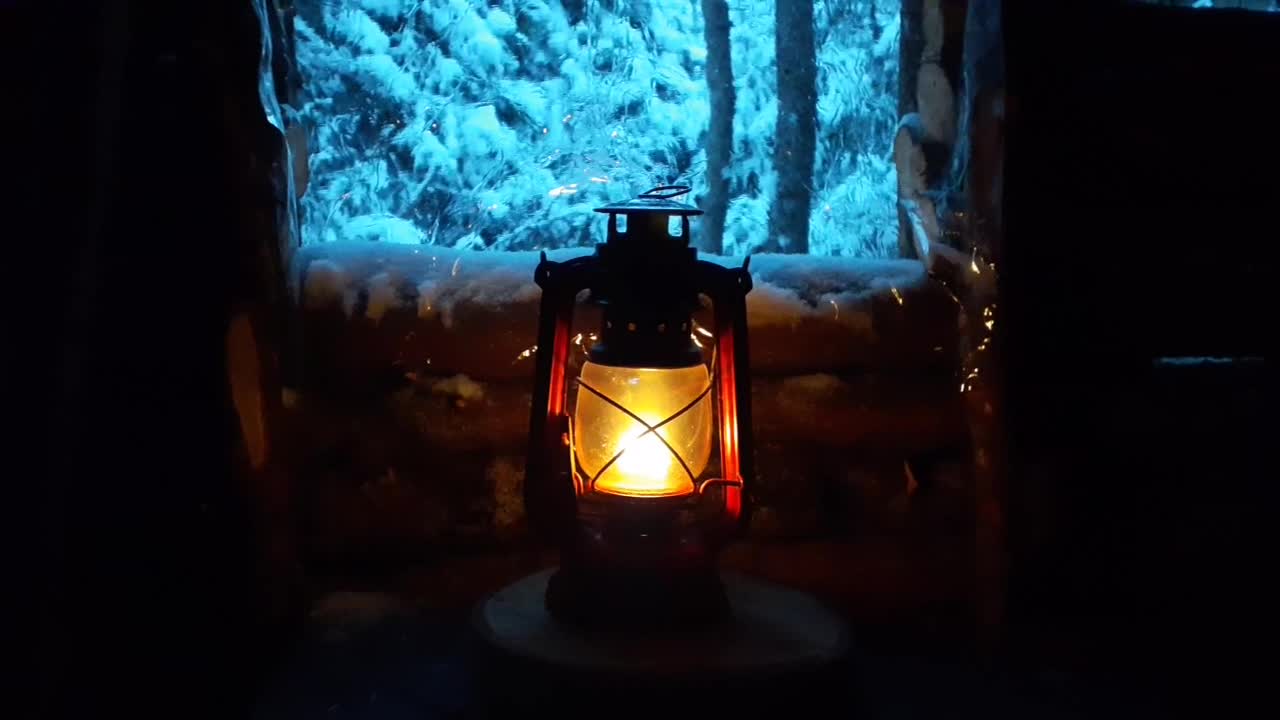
x=719, y=71
x=797, y=127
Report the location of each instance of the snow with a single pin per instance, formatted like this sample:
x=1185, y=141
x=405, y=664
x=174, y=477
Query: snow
x=381, y=72
x=389, y=9
x=1205, y=361
x=790, y=288
x=325, y=284
x=383, y=295
x=500, y=22
x=384, y=227
x=1252, y=5
x=360, y=30
x=787, y=288
x=452, y=121
x=444, y=279
x=458, y=386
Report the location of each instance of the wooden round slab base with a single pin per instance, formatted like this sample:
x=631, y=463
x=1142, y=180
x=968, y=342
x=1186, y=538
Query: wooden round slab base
x=771, y=631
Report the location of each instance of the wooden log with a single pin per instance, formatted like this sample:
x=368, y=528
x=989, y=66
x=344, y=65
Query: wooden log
x=379, y=318
x=937, y=72
x=929, y=73
x=882, y=413
x=873, y=414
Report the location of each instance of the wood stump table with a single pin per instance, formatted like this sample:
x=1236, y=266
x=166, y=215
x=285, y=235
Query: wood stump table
x=778, y=647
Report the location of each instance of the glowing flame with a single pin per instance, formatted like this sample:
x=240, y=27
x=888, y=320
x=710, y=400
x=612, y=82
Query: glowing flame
x=646, y=458
x=524, y=354
x=896, y=295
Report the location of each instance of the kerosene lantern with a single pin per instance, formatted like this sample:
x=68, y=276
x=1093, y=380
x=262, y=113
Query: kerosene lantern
x=626, y=481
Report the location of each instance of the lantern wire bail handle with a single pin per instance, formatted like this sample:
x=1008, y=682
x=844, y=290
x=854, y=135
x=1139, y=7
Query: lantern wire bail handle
x=665, y=192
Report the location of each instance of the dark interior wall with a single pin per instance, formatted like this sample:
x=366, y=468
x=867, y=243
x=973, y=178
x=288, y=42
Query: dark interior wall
x=141, y=151
x=1143, y=186
x=1139, y=186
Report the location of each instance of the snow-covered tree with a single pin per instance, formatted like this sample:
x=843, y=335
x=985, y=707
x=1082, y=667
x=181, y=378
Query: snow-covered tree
x=502, y=123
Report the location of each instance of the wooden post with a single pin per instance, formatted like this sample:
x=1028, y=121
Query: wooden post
x=929, y=74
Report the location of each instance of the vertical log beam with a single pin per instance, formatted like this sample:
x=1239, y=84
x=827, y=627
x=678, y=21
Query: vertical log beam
x=978, y=174
x=930, y=72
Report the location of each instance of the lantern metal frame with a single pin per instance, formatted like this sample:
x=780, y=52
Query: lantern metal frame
x=640, y=560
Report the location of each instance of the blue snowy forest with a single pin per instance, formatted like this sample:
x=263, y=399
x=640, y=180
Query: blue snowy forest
x=501, y=124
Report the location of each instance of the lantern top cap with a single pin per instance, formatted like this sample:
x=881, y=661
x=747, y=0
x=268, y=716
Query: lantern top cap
x=656, y=201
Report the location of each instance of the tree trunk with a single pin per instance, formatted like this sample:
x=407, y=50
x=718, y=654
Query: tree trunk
x=796, y=132
x=910, y=46
x=719, y=70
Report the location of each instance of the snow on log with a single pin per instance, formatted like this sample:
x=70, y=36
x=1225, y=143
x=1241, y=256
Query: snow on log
x=372, y=308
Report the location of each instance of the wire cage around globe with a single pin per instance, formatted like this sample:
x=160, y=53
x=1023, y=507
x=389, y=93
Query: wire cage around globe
x=642, y=432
